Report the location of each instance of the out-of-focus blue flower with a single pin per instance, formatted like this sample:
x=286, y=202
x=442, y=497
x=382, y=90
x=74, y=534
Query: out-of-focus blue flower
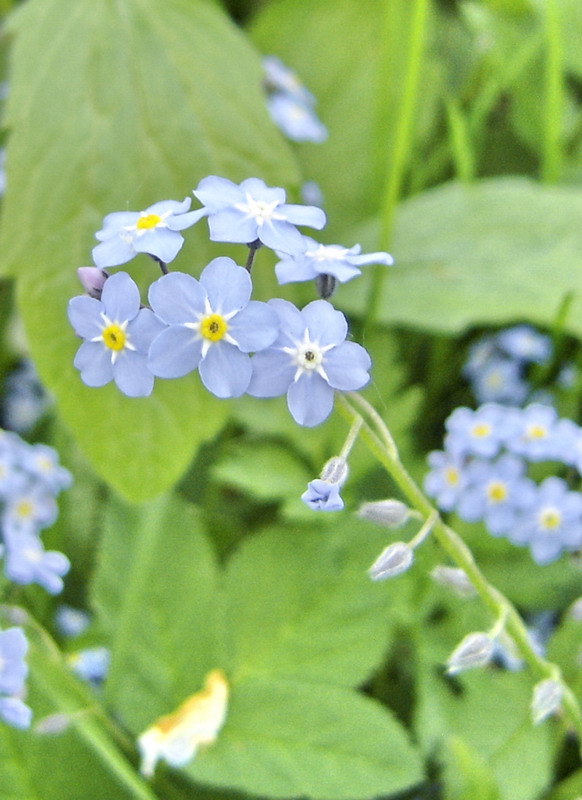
x=117, y=337
x=309, y=361
x=154, y=231
x=90, y=664
x=213, y=326
x=25, y=400
x=42, y=461
x=279, y=78
x=311, y=194
x=496, y=493
x=323, y=496
x=296, y=121
x=29, y=508
x=533, y=436
x=481, y=432
x=552, y=523
x=15, y=712
x=525, y=343
x=326, y=259
x=446, y=480
x=480, y=353
x=500, y=381
x=13, y=668
x=567, y=443
x=26, y=561
x=71, y=622
x=242, y=214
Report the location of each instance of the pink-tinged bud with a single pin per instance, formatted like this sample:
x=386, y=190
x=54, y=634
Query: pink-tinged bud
x=547, y=696
x=475, y=650
x=453, y=578
x=92, y=280
x=392, y=561
x=388, y=513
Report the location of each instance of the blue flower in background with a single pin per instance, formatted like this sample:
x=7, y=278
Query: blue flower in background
x=525, y=343
x=446, y=480
x=15, y=713
x=13, y=668
x=323, y=496
x=326, y=259
x=117, y=337
x=213, y=326
x=154, y=231
x=309, y=360
x=279, y=78
x=481, y=432
x=500, y=380
x=242, y=214
x=26, y=561
x=534, y=434
x=552, y=523
x=296, y=120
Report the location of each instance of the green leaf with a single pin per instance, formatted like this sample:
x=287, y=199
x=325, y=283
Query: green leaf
x=149, y=99
x=312, y=613
x=289, y=739
x=466, y=775
x=156, y=593
x=488, y=254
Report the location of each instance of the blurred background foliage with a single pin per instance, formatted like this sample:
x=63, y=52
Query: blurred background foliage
x=455, y=142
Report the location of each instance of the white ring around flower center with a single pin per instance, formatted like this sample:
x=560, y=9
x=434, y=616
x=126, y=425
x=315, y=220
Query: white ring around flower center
x=327, y=252
x=259, y=210
x=308, y=356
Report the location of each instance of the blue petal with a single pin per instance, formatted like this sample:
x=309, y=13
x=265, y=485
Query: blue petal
x=225, y=371
x=14, y=712
x=175, y=206
x=310, y=400
x=112, y=253
x=120, y=297
x=255, y=327
x=259, y=190
x=326, y=325
x=186, y=220
x=272, y=374
x=159, y=242
x=85, y=316
x=229, y=286
x=218, y=193
x=131, y=374
x=280, y=235
x=295, y=269
x=231, y=225
x=341, y=270
x=291, y=321
x=174, y=353
x=347, y=366
x=311, y=216
x=94, y=361
x=372, y=258
x=177, y=298
x=113, y=223
x=144, y=329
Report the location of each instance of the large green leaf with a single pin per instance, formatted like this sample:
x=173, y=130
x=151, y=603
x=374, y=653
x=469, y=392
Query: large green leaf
x=148, y=100
x=498, y=251
x=289, y=739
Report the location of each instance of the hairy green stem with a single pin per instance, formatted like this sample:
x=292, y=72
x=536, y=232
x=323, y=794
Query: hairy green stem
x=376, y=435
x=553, y=95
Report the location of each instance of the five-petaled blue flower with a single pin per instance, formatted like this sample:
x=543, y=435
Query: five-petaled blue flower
x=153, y=231
x=326, y=259
x=212, y=326
x=309, y=360
x=117, y=337
x=242, y=214
x=322, y=495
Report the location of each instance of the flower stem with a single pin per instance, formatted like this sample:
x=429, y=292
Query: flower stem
x=253, y=247
x=379, y=440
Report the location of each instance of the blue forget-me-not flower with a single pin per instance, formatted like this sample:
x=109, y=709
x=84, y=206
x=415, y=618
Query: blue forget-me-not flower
x=213, y=326
x=13, y=672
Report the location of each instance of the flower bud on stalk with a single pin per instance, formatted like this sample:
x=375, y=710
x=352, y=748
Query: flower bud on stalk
x=392, y=561
x=475, y=650
x=388, y=513
x=547, y=696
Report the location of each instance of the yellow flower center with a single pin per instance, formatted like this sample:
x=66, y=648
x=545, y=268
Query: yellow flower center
x=147, y=221
x=536, y=432
x=480, y=430
x=452, y=476
x=550, y=518
x=24, y=509
x=114, y=337
x=213, y=327
x=496, y=491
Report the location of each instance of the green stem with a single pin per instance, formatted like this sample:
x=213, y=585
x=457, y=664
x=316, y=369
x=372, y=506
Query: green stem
x=398, y=155
x=553, y=95
x=457, y=550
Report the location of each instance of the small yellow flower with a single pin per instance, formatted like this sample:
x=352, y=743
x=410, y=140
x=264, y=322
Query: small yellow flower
x=197, y=721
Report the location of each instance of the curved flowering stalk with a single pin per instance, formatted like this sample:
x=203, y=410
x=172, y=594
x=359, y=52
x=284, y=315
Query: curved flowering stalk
x=377, y=436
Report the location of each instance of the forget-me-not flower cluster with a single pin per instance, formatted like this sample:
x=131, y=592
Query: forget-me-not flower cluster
x=209, y=323
x=291, y=106
x=482, y=475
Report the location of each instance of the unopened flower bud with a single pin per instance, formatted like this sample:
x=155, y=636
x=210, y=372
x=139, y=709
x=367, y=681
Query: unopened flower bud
x=53, y=724
x=475, y=650
x=389, y=513
x=453, y=578
x=547, y=696
x=335, y=471
x=92, y=279
x=392, y=561
x=322, y=496
x=325, y=285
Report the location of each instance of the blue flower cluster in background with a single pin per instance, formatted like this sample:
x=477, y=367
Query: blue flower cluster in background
x=13, y=672
x=291, y=106
x=497, y=365
x=482, y=475
x=210, y=323
x=30, y=480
